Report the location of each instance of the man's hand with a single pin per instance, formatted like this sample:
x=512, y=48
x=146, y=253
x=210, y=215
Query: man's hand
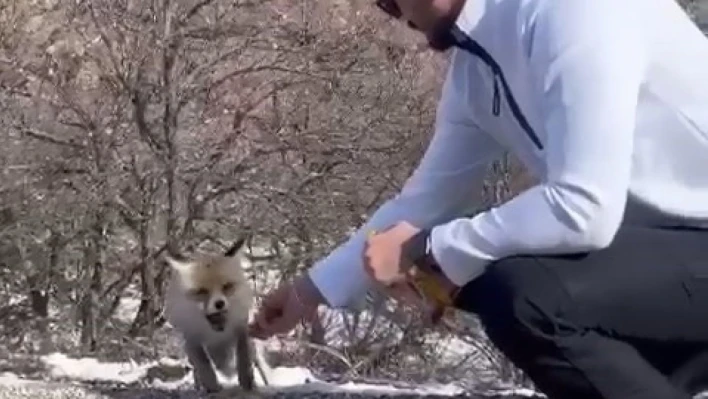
x=286, y=306
x=384, y=259
x=387, y=264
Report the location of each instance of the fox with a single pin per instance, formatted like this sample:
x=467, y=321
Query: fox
x=208, y=300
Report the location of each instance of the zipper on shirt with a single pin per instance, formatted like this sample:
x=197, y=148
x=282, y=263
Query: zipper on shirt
x=467, y=43
x=496, y=100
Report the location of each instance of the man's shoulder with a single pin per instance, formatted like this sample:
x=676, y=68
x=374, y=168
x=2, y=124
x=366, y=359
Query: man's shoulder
x=574, y=12
x=564, y=22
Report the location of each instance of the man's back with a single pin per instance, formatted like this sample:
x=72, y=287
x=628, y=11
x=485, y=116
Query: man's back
x=532, y=41
x=670, y=165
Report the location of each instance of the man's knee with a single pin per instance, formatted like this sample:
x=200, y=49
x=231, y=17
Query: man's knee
x=518, y=298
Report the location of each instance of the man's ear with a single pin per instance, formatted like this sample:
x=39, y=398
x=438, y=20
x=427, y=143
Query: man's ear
x=235, y=248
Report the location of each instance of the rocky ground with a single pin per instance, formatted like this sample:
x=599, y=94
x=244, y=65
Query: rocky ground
x=108, y=391
x=11, y=388
x=64, y=377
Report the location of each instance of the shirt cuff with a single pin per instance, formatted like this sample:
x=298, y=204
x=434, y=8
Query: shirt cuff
x=340, y=289
x=461, y=262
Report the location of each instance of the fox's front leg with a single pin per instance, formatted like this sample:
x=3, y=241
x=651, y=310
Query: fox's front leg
x=259, y=362
x=204, y=375
x=244, y=364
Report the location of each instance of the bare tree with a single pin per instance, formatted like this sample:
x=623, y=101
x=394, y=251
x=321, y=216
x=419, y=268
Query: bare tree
x=140, y=127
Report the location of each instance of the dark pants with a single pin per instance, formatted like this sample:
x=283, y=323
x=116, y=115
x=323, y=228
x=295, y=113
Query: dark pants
x=613, y=324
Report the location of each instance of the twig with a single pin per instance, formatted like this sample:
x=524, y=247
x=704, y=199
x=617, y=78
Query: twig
x=322, y=348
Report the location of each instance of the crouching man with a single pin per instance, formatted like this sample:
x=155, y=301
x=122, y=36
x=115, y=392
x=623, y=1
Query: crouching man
x=595, y=281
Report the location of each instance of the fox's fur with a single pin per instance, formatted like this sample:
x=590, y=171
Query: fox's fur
x=208, y=302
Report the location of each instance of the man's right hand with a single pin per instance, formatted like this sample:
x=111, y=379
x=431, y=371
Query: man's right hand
x=283, y=308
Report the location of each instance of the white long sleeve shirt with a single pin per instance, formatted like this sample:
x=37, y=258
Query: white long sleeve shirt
x=605, y=101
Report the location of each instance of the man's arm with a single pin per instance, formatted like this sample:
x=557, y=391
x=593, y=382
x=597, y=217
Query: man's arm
x=588, y=62
x=444, y=185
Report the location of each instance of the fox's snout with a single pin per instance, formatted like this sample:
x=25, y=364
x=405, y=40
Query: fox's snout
x=216, y=311
x=216, y=304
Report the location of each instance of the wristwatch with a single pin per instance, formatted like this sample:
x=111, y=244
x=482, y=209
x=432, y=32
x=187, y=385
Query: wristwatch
x=419, y=250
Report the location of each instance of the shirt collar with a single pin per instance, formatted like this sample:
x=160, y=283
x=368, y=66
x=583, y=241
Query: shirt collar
x=470, y=15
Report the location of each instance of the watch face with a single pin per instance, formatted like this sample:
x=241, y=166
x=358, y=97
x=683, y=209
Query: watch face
x=416, y=247
x=433, y=265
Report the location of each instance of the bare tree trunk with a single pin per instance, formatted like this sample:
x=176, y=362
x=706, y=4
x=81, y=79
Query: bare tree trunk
x=41, y=282
x=87, y=338
x=145, y=318
x=39, y=298
x=88, y=303
x=144, y=322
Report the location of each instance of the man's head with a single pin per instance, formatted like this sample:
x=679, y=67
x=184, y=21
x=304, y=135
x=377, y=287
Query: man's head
x=434, y=18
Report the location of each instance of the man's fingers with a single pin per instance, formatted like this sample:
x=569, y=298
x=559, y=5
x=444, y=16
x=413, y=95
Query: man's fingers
x=279, y=325
x=261, y=319
x=262, y=329
x=255, y=331
x=270, y=322
x=278, y=313
x=258, y=327
x=403, y=293
x=413, y=272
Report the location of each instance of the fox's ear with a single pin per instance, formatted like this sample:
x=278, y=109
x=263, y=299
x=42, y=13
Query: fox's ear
x=176, y=264
x=235, y=248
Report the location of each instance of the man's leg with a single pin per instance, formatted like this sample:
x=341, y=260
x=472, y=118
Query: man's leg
x=575, y=323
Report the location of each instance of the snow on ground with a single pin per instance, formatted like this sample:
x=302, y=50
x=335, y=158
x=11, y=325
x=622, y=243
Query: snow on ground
x=89, y=369
x=128, y=307
x=298, y=379
x=11, y=379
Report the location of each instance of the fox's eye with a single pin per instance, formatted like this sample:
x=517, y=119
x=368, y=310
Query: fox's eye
x=199, y=293
x=228, y=287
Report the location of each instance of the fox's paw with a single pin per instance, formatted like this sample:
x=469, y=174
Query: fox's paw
x=236, y=392
x=210, y=389
x=207, y=385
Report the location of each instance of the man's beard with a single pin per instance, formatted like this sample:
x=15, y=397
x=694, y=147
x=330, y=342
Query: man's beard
x=440, y=38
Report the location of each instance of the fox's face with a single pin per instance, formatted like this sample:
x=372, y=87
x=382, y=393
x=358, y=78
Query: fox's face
x=216, y=284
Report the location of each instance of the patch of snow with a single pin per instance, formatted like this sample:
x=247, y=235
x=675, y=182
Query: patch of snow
x=89, y=369
x=319, y=386
x=127, y=308
x=525, y=392
x=290, y=376
x=7, y=379
x=15, y=299
x=172, y=385
x=298, y=379
x=427, y=389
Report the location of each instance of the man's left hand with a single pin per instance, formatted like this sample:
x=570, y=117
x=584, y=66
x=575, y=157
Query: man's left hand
x=384, y=259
